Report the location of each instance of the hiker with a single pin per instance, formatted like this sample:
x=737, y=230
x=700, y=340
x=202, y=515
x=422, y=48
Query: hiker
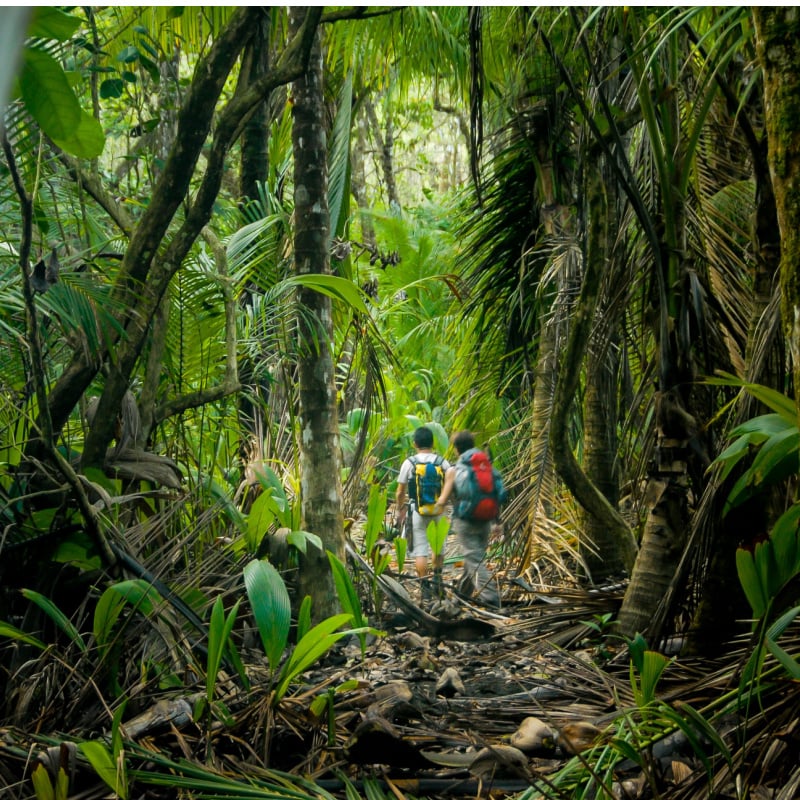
x=477, y=491
x=412, y=475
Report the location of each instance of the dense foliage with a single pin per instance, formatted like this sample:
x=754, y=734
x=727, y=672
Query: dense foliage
x=246, y=252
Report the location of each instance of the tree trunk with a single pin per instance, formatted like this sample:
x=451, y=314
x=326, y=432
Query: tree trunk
x=386, y=146
x=777, y=30
x=320, y=456
x=149, y=264
x=599, y=550
x=255, y=137
x=619, y=536
x=358, y=182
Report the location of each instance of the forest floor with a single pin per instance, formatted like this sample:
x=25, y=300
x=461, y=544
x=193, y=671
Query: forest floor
x=451, y=700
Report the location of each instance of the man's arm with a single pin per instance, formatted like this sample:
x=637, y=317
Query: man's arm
x=400, y=498
x=447, y=487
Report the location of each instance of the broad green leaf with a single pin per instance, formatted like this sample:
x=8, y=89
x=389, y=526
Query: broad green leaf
x=134, y=592
x=767, y=569
x=219, y=631
x=788, y=662
x=376, y=512
x=48, y=95
x=40, y=778
x=310, y=649
x=79, y=550
x=436, y=533
x=128, y=55
x=57, y=615
x=762, y=427
x=10, y=632
x=111, y=87
x=304, y=618
x=751, y=582
x=334, y=287
x=779, y=403
x=100, y=758
x=653, y=664
x=785, y=539
x=732, y=455
x=346, y=591
x=260, y=517
x=400, y=549
x=87, y=140
x=301, y=540
x=271, y=606
x=777, y=459
x=49, y=22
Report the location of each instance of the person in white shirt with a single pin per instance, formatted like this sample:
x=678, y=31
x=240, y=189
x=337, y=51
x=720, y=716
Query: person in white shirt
x=421, y=549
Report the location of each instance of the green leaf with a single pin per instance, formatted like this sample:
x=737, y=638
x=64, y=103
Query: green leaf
x=128, y=55
x=785, y=539
x=219, y=631
x=779, y=403
x=87, y=140
x=260, y=517
x=751, y=582
x=42, y=786
x=271, y=606
x=637, y=647
x=10, y=632
x=111, y=602
x=653, y=664
x=100, y=758
x=304, y=618
x=332, y=286
x=111, y=87
x=301, y=540
x=376, y=512
x=339, y=160
x=400, y=549
x=436, y=533
x=346, y=591
x=57, y=615
x=316, y=642
x=777, y=459
x=51, y=23
x=48, y=95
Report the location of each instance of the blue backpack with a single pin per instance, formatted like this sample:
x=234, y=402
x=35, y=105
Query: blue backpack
x=425, y=484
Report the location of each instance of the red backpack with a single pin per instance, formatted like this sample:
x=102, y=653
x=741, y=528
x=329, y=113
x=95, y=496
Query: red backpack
x=479, y=487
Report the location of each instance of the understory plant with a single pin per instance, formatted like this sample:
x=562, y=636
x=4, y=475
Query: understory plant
x=768, y=568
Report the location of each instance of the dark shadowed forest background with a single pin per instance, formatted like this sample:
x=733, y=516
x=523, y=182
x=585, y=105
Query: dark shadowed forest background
x=245, y=252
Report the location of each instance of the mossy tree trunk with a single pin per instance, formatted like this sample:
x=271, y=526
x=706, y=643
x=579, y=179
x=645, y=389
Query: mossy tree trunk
x=777, y=38
x=320, y=455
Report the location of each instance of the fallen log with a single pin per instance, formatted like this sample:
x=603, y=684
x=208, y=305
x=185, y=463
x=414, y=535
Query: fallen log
x=465, y=629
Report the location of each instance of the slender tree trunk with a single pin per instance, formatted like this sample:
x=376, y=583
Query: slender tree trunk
x=543, y=471
x=320, y=455
x=601, y=552
x=358, y=182
x=385, y=142
x=669, y=483
x=255, y=153
x=586, y=493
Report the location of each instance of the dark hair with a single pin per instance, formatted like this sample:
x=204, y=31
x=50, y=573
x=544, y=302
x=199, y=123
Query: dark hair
x=423, y=437
x=463, y=441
